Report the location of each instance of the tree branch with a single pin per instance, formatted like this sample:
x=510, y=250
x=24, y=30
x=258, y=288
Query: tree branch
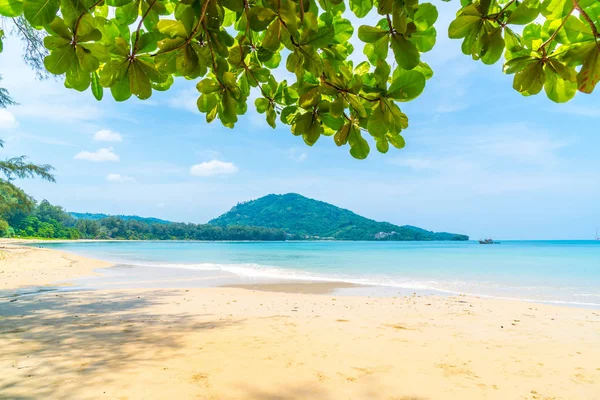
x=192, y=35
x=585, y=15
x=137, y=31
x=551, y=38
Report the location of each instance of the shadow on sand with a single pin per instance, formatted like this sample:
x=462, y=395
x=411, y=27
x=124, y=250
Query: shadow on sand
x=74, y=339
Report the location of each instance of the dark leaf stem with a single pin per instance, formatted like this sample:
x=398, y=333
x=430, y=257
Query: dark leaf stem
x=139, y=27
x=192, y=35
x=544, y=45
x=81, y=16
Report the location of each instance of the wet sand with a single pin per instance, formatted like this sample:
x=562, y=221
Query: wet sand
x=245, y=343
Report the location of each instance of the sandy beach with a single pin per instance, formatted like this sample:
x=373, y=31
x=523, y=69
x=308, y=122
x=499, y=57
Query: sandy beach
x=281, y=341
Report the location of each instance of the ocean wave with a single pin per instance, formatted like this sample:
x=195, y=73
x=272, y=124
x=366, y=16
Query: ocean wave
x=252, y=270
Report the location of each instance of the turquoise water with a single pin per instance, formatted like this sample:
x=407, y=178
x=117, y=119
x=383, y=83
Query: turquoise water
x=551, y=271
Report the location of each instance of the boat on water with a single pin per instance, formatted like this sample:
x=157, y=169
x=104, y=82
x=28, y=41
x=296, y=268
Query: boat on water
x=597, y=237
x=488, y=241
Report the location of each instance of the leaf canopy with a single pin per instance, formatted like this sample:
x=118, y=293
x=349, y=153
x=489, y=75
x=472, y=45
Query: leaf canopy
x=231, y=47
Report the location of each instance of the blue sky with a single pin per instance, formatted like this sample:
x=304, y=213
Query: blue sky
x=480, y=158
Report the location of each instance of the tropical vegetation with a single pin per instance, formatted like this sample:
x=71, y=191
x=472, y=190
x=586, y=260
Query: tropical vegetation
x=231, y=47
x=12, y=198
x=45, y=220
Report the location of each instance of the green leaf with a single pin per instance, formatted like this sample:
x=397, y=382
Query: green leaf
x=343, y=31
x=127, y=14
x=341, y=136
x=207, y=102
x=139, y=82
x=60, y=60
x=97, y=90
x=530, y=80
x=272, y=41
x=493, y=47
x=425, y=16
x=378, y=50
x=54, y=42
x=87, y=61
x=589, y=74
x=370, y=34
x=424, y=40
x=556, y=9
x=322, y=38
x=78, y=78
x=172, y=28
x=287, y=13
x=463, y=26
x=557, y=89
x=208, y=85
x=406, y=54
x=526, y=12
x=271, y=116
x=359, y=148
x=261, y=104
x=357, y=105
x=118, y=3
x=574, y=31
x=397, y=141
x=40, y=12
x=378, y=124
x=361, y=7
x=121, y=89
x=382, y=145
x=11, y=8
x=407, y=85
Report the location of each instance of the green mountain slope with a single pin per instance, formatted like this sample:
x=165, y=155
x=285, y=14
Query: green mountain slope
x=302, y=217
x=99, y=216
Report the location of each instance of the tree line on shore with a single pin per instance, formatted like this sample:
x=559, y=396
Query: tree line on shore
x=45, y=220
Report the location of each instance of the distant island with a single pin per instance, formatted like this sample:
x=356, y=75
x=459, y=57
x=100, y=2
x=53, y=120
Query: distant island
x=269, y=218
x=304, y=218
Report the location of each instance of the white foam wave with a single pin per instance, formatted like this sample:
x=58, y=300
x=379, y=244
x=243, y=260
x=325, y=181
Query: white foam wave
x=251, y=270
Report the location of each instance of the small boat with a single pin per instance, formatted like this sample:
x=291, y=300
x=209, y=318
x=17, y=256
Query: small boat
x=597, y=237
x=488, y=241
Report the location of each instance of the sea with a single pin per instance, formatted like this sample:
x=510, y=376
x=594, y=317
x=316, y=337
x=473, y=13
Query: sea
x=558, y=272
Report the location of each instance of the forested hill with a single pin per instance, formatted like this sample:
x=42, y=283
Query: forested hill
x=307, y=218
x=99, y=216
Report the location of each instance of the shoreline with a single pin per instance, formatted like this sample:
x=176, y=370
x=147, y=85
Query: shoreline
x=26, y=266
x=347, y=286
x=249, y=344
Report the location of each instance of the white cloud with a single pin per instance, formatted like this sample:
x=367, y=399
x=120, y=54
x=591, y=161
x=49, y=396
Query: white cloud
x=213, y=168
x=413, y=163
x=577, y=109
x=8, y=120
x=104, y=154
x=119, y=178
x=106, y=135
x=296, y=154
x=209, y=154
x=185, y=100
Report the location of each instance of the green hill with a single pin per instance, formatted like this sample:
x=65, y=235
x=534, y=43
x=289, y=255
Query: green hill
x=301, y=217
x=99, y=216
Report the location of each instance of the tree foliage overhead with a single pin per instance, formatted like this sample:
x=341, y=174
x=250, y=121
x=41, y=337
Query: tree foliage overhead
x=560, y=55
x=231, y=47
